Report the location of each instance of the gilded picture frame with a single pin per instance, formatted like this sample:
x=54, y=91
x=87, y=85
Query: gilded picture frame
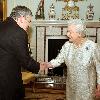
x=3, y=9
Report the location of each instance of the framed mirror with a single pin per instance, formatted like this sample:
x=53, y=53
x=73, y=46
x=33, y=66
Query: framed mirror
x=3, y=9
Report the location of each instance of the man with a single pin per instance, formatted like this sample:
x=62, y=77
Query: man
x=14, y=53
x=82, y=58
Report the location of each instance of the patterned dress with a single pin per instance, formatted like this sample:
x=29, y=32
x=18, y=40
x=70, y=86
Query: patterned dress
x=83, y=69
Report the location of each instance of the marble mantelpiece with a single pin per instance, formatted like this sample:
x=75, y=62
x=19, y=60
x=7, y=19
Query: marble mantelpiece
x=42, y=29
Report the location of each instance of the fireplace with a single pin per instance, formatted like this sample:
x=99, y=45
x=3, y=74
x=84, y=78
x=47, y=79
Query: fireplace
x=53, y=46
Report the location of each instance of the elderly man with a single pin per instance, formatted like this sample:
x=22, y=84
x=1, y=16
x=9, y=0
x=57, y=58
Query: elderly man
x=14, y=53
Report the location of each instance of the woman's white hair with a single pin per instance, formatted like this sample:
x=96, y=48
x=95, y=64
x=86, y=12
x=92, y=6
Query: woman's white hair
x=80, y=26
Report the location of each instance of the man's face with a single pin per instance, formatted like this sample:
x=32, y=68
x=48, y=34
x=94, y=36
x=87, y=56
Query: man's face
x=25, y=22
x=72, y=34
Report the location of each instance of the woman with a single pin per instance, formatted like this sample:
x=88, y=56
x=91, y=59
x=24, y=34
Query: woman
x=81, y=57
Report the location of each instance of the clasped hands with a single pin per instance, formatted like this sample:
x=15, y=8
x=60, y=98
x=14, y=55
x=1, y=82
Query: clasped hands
x=44, y=68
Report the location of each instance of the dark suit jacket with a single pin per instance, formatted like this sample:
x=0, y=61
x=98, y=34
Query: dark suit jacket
x=14, y=54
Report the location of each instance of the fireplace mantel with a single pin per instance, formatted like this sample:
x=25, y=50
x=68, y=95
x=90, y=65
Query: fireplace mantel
x=93, y=23
x=42, y=29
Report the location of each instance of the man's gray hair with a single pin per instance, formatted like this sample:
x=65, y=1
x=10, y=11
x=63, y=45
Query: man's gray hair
x=20, y=11
x=80, y=26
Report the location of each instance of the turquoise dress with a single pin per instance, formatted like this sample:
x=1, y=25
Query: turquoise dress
x=83, y=69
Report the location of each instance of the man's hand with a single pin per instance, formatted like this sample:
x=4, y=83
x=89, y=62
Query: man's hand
x=98, y=87
x=97, y=93
x=43, y=69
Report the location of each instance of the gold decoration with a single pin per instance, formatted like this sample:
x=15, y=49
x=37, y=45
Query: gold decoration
x=69, y=0
x=70, y=11
x=73, y=0
x=3, y=9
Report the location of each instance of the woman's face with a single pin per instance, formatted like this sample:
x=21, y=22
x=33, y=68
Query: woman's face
x=72, y=34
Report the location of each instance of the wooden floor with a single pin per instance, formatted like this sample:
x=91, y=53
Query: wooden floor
x=43, y=87
x=46, y=94
x=42, y=94
x=37, y=90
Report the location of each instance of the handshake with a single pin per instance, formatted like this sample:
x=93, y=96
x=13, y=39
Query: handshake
x=44, y=66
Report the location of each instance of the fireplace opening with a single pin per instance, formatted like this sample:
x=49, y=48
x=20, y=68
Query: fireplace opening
x=54, y=47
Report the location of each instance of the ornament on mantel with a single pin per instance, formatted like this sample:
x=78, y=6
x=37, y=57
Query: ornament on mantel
x=52, y=13
x=71, y=3
x=40, y=11
x=70, y=11
x=90, y=13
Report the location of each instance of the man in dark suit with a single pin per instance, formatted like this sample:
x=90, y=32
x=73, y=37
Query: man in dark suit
x=14, y=53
